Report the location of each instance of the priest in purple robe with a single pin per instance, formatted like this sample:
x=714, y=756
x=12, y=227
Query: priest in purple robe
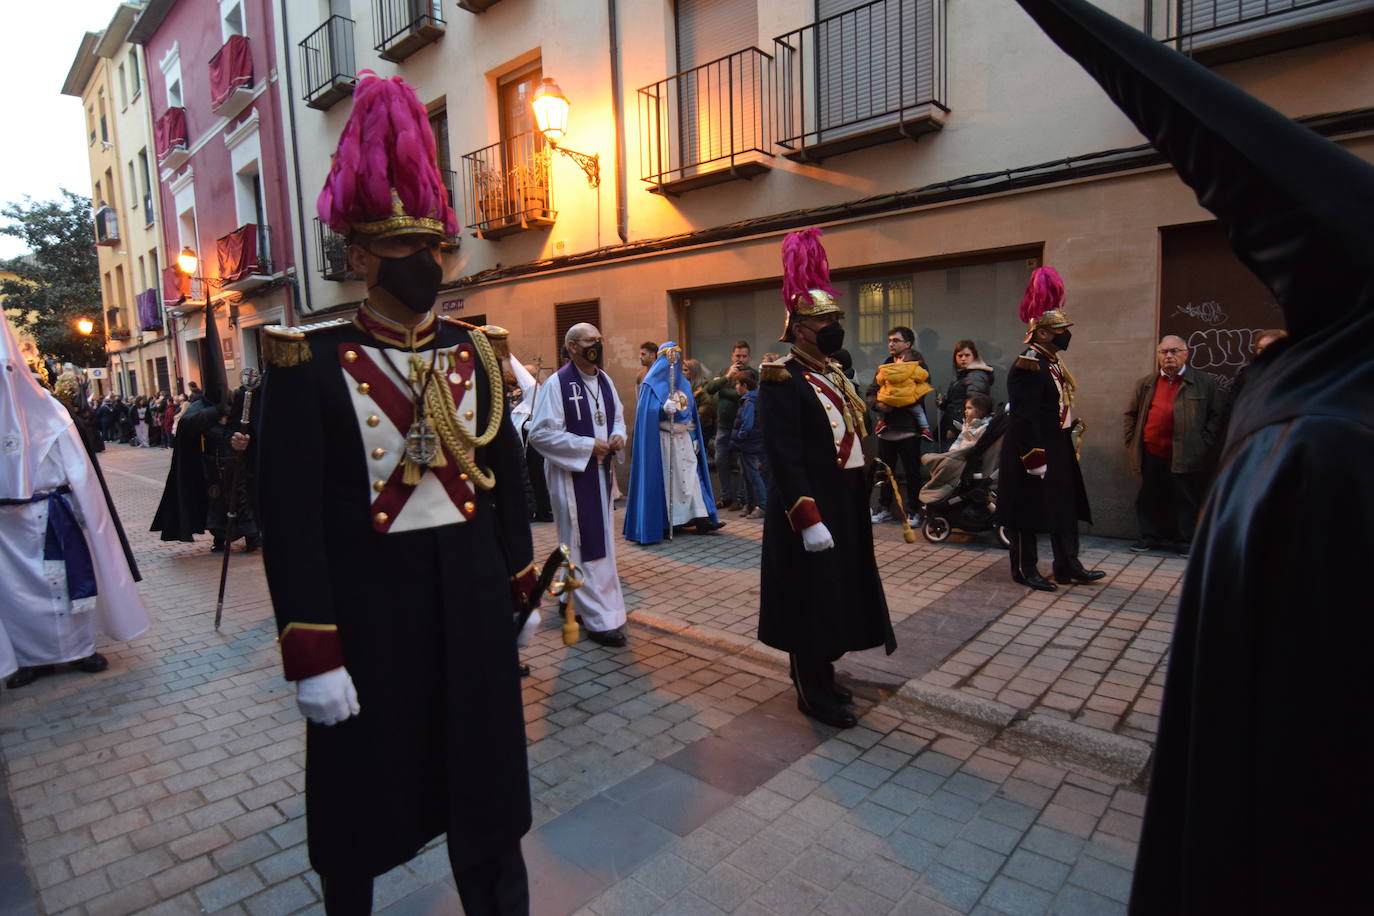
x=579, y=428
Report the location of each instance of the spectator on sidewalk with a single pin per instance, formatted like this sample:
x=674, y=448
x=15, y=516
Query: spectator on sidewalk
x=730, y=488
x=648, y=352
x=747, y=441
x=971, y=376
x=947, y=468
x=1173, y=426
x=104, y=418
x=902, y=425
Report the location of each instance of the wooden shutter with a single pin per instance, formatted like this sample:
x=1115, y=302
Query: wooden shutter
x=567, y=314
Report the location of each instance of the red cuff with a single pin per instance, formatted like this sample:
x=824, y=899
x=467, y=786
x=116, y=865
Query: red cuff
x=308, y=649
x=803, y=514
x=522, y=586
x=1035, y=458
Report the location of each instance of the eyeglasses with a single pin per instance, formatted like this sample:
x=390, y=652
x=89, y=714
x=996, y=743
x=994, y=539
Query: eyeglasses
x=587, y=341
x=1171, y=351
x=896, y=340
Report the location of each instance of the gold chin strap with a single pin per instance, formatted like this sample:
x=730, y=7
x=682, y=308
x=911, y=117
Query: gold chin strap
x=441, y=410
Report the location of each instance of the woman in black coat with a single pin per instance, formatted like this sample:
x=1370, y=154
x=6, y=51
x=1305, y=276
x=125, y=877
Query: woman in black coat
x=971, y=376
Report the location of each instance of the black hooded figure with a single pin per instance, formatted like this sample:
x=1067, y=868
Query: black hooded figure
x=1263, y=786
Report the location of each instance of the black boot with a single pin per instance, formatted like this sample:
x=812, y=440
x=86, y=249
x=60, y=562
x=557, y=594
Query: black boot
x=816, y=695
x=26, y=676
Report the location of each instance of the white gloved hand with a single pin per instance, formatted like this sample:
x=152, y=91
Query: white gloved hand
x=816, y=538
x=526, y=635
x=329, y=698
x=1038, y=472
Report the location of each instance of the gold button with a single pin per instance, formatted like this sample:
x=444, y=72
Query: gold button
x=379, y=453
x=468, y=415
x=835, y=424
x=463, y=476
x=364, y=388
x=379, y=485
x=464, y=354
x=829, y=406
x=839, y=462
x=468, y=384
x=381, y=518
x=373, y=420
x=469, y=507
x=350, y=355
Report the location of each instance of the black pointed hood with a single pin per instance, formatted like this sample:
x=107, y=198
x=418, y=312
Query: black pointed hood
x=1297, y=208
x=215, y=383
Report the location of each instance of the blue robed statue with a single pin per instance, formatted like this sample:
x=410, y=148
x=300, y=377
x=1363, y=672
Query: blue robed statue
x=670, y=482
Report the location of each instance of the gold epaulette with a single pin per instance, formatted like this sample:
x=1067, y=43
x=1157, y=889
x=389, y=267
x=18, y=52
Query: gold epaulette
x=775, y=371
x=497, y=335
x=1028, y=361
x=288, y=346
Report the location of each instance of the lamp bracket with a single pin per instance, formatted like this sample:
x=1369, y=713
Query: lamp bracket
x=591, y=164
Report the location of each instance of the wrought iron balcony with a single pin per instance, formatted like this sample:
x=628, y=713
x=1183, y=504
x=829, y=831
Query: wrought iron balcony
x=120, y=333
x=231, y=77
x=1217, y=31
x=866, y=76
x=403, y=27
x=106, y=226
x=327, y=67
x=171, y=140
x=707, y=125
x=245, y=257
x=508, y=186
x=332, y=254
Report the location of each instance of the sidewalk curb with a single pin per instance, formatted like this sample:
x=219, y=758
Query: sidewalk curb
x=1035, y=735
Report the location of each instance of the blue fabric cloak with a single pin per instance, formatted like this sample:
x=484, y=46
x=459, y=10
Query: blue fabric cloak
x=646, y=510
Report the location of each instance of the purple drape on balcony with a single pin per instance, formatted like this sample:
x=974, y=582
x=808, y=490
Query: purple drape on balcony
x=231, y=68
x=170, y=132
x=149, y=305
x=238, y=253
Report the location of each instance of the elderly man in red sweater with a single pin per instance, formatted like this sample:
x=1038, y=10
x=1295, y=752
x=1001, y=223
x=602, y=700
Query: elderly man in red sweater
x=1173, y=425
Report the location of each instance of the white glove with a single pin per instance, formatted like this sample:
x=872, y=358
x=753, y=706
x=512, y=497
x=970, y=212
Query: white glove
x=1038, y=472
x=329, y=698
x=525, y=637
x=676, y=402
x=816, y=538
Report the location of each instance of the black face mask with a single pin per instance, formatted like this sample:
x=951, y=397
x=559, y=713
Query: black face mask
x=592, y=354
x=830, y=338
x=413, y=280
x=1061, y=340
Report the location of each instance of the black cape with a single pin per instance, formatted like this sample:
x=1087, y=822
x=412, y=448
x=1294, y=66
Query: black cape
x=1263, y=786
x=426, y=622
x=185, y=496
x=830, y=602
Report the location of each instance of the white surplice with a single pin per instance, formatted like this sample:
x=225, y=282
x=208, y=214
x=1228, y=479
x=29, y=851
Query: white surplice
x=600, y=600
x=681, y=483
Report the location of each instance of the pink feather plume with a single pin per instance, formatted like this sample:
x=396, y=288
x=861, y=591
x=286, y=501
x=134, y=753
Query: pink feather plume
x=804, y=266
x=1044, y=293
x=387, y=143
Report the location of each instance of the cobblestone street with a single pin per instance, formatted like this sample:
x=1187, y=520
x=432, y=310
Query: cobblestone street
x=997, y=767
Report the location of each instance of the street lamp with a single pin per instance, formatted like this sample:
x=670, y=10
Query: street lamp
x=187, y=262
x=85, y=326
x=551, y=116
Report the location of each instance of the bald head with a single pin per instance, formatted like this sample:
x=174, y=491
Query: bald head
x=583, y=343
x=1172, y=354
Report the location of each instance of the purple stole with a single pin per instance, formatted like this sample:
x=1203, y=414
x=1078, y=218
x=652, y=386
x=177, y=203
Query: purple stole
x=577, y=417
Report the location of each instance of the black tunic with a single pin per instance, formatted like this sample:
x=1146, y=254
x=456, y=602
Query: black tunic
x=424, y=618
x=830, y=602
x=1263, y=786
x=185, y=496
x=1058, y=501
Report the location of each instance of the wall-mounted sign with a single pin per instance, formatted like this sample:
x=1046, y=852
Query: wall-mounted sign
x=96, y=373
x=450, y=305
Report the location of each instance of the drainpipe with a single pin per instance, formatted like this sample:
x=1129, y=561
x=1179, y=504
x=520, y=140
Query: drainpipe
x=622, y=219
x=289, y=317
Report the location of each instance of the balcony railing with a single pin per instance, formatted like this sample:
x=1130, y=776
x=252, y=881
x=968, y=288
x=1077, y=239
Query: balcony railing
x=1216, y=31
x=332, y=254
x=171, y=140
x=708, y=124
x=106, y=226
x=866, y=76
x=231, y=77
x=119, y=333
x=148, y=216
x=245, y=257
x=327, y=65
x=403, y=27
x=508, y=186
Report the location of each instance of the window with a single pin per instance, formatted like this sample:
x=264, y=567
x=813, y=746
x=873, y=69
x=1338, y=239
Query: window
x=123, y=90
x=113, y=199
x=90, y=122
x=171, y=71
x=134, y=196
x=567, y=314
x=97, y=197
x=134, y=75
x=438, y=125
x=119, y=285
x=231, y=18
x=104, y=121
x=154, y=275
x=145, y=192
x=142, y=274
x=883, y=304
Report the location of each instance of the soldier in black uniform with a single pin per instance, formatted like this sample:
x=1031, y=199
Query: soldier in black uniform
x=820, y=593
x=396, y=541
x=1040, y=486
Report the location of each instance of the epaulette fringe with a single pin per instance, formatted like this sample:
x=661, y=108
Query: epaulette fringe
x=1029, y=363
x=497, y=335
x=773, y=372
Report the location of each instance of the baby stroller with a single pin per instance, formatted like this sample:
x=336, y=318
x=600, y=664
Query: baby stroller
x=973, y=504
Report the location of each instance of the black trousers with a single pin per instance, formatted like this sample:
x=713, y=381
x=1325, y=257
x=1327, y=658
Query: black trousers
x=1024, y=553
x=1167, y=505
x=496, y=886
x=534, y=464
x=907, y=452
x=814, y=678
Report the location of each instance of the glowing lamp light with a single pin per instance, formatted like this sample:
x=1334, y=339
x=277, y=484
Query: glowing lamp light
x=85, y=325
x=187, y=262
x=550, y=110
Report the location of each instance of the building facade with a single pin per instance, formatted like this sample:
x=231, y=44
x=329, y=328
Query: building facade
x=945, y=148
x=219, y=164
x=107, y=75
